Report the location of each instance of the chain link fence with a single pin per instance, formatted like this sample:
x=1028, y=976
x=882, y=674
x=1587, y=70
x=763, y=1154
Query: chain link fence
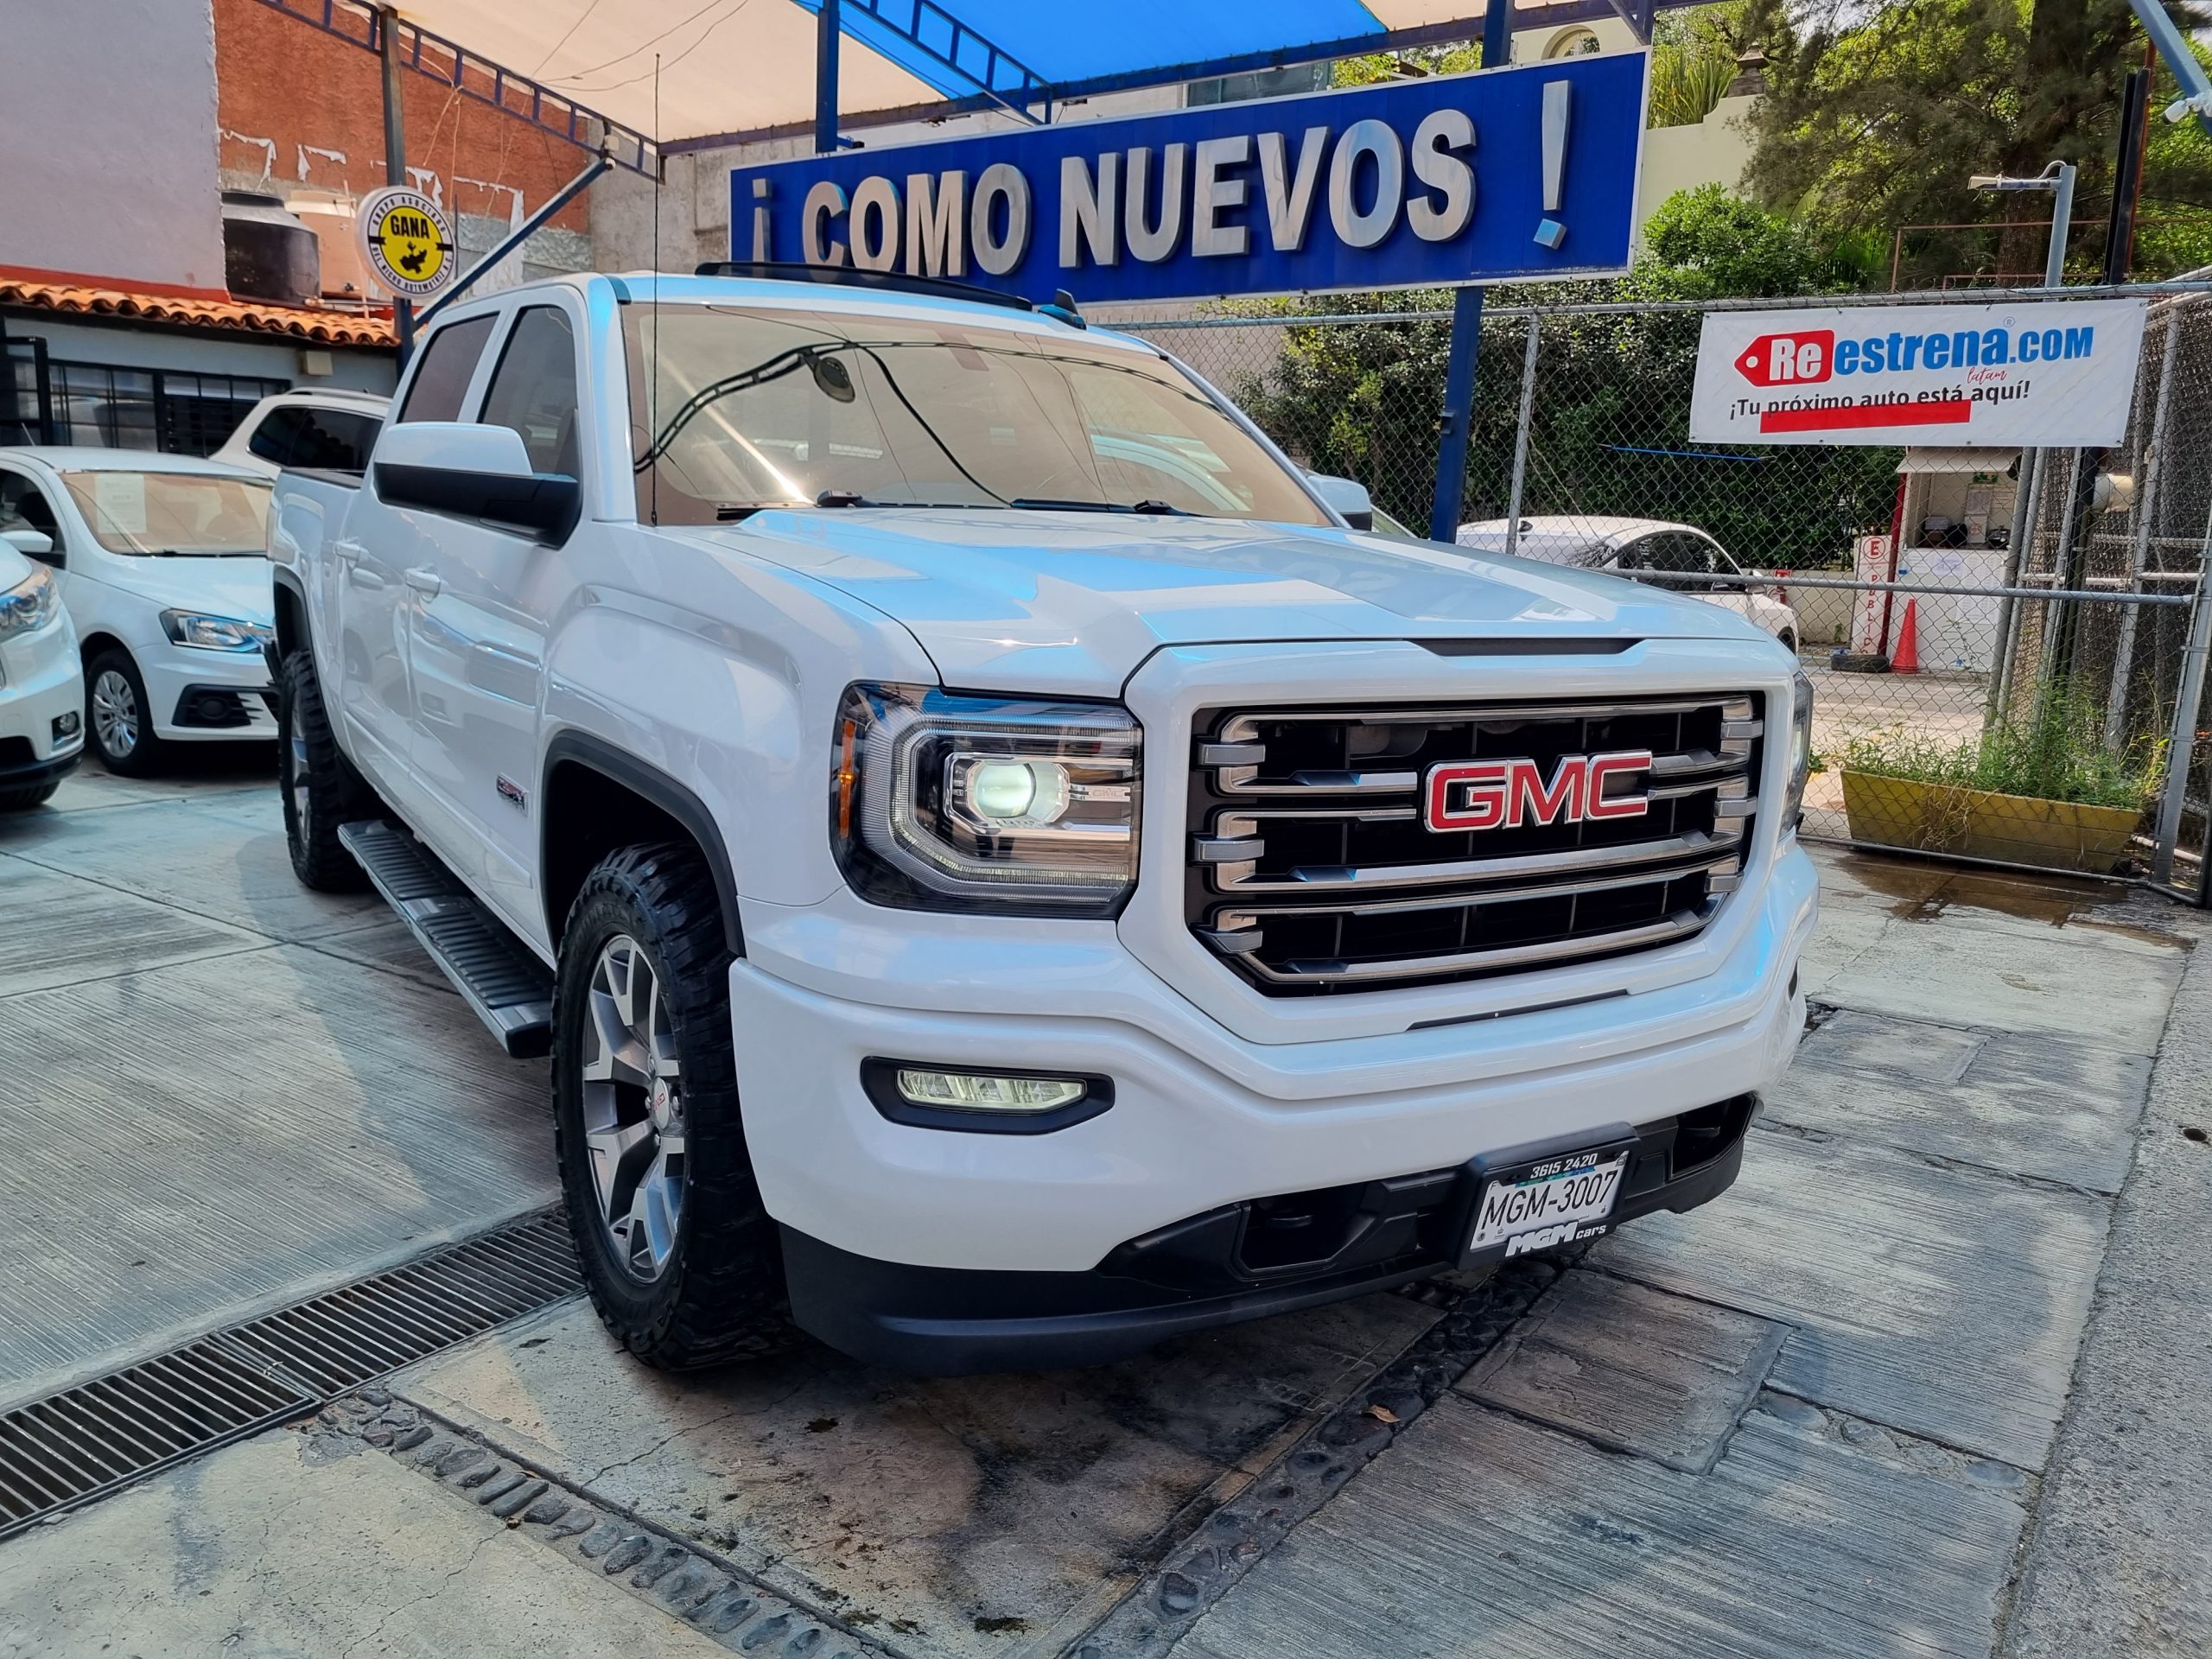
x=1999, y=641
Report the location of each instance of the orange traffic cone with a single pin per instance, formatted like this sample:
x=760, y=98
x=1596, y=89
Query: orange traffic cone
x=1905, y=659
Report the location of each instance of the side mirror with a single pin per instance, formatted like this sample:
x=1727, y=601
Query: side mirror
x=467, y=471
x=31, y=543
x=1347, y=499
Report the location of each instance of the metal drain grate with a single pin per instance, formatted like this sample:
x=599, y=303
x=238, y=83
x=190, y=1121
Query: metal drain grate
x=340, y=1341
x=84, y=1442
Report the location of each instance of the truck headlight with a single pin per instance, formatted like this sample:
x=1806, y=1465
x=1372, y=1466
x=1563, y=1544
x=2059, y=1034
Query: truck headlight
x=939, y=802
x=1801, y=752
x=30, y=604
x=205, y=632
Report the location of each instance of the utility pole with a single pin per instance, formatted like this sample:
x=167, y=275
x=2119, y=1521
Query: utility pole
x=395, y=155
x=827, y=26
x=1453, y=426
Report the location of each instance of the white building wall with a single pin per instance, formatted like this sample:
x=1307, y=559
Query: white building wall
x=107, y=142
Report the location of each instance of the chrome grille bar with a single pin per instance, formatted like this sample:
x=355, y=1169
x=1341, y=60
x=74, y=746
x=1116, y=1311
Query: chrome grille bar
x=1310, y=870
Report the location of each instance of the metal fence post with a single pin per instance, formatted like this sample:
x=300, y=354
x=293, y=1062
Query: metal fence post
x=1521, y=439
x=1458, y=414
x=2180, y=740
x=2147, y=500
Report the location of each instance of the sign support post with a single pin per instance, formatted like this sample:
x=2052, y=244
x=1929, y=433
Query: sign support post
x=395, y=155
x=827, y=25
x=1452, y=427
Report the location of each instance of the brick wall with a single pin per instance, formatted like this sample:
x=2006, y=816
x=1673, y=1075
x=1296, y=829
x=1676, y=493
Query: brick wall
x=300, y=115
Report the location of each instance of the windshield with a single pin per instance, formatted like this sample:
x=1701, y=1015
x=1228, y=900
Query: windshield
x=172, y=512
x=733, y=409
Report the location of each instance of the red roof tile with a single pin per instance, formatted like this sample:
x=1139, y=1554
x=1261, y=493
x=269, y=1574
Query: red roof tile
x=310, y=324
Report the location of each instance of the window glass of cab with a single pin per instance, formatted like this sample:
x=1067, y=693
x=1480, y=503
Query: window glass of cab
x=23, y=506
x=533, y=391
x=448, y=364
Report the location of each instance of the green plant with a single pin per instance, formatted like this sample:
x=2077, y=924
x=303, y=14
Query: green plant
x=2056, y=754
x=1687, y=83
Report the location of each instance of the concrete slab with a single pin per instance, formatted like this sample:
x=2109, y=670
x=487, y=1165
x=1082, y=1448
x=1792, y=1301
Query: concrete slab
x=1975, y=976
x=2043, y=1106
x=1479, y=1534
x=1844, y=937
x=222, y=858
x=1631, y=1368
x=202, y=1139
x=2119, y=1561
x=1945, y=1301
x=198, y=773
x=970, y=1517
x=258, y=1551
x=63, y=929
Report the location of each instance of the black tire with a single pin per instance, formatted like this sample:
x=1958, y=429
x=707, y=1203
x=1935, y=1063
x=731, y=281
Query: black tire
x=719, y=1296
x=144, y=752
x=320, y=789
x=28, y=796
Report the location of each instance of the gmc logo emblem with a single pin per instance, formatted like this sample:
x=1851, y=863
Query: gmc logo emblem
x=1506, y=794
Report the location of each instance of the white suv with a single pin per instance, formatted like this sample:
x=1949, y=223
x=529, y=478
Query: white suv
x=41, y=685
x=1005, y=872
x=161, y=560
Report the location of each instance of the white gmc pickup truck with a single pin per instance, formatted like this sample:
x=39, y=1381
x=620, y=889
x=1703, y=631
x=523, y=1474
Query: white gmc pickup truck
x=1005, y=871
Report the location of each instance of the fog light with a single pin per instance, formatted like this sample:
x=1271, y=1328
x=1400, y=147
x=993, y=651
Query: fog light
x=65, y=726
x=969, y=1091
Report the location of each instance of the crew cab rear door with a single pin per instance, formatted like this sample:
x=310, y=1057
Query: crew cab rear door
x=479, y=628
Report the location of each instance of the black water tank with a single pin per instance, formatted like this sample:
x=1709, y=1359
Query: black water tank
x=268, y=254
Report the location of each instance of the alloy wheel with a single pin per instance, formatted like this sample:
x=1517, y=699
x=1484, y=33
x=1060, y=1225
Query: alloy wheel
x=114, y=714
x=633, y=1110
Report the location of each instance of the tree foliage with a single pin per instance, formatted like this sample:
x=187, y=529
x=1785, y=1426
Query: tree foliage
x=1875, y=118
x=1612, y=415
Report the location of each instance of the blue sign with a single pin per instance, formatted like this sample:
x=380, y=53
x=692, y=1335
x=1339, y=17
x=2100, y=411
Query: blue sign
x=1508, y=173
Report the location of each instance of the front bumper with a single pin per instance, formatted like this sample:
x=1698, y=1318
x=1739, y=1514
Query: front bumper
x=202, y=696
x=41, y=692
x=1201, y=1116
x=1199, y=1274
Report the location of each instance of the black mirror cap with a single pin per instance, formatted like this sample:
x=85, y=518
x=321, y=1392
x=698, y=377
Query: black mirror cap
x=1360, y=520
x=547, y=505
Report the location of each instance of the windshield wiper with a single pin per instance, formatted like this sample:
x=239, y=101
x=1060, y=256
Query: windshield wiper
x=1042, y=504
x=854, y=499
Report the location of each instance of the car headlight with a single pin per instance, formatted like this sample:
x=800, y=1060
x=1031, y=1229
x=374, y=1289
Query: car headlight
x=204, y=633
x=1800, y=751
x=30, y=605
x=939, y=802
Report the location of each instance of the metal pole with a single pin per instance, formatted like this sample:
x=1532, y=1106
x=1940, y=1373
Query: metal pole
x=2181, y=742
x=2146, y=497
x=2061, y=224
x=520, y=234
x=2187, y=72
x=2127, y=175
x=1521, y=440
x=1466, y=337
x=1458, y=414
x=395, y=155
x=827, y=26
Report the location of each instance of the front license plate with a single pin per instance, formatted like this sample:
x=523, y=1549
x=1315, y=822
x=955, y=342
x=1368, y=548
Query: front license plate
x=1555, y=1202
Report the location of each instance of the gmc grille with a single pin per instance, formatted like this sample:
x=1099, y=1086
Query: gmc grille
x=1312, y=871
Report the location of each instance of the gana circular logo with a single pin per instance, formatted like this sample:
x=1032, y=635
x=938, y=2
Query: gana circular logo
x=407, y=241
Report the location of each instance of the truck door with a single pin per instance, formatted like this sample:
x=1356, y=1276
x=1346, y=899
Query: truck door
x=373, y=553
x=479, y=633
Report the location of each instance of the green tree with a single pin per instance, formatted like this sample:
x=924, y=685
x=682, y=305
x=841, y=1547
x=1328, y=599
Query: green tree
x=1875, y=119
x=1612, y=415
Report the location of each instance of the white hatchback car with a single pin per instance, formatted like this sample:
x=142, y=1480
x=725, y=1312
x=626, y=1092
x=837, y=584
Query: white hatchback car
x=41, y=683
x=1677, y=555
x=161, y=561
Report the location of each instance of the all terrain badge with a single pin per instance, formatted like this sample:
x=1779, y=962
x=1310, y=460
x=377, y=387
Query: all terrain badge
x=408, y=241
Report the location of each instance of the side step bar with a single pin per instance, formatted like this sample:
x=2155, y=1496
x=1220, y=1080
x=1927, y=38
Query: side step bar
x=509, y=988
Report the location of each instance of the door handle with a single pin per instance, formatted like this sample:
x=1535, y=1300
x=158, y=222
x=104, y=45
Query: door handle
x=347, y=553
x=423, y=580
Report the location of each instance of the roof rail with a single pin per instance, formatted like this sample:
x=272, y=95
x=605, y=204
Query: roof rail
x=782, y=271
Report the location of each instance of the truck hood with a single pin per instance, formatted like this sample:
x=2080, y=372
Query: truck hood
x=1074, y=602
x=240, y=588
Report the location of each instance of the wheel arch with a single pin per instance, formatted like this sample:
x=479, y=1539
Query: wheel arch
x=291, y=608
x=621, y=795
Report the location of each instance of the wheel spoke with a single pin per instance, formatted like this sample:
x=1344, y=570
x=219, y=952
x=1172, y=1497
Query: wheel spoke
x=614, y=1151
x=615, y=1055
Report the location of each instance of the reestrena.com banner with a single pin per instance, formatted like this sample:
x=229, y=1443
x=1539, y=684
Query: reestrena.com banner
x=1521, y=172
x=2051, y=374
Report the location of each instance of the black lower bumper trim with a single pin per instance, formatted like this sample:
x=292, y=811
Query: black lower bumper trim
x=31, y=775
x=956, y=1321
